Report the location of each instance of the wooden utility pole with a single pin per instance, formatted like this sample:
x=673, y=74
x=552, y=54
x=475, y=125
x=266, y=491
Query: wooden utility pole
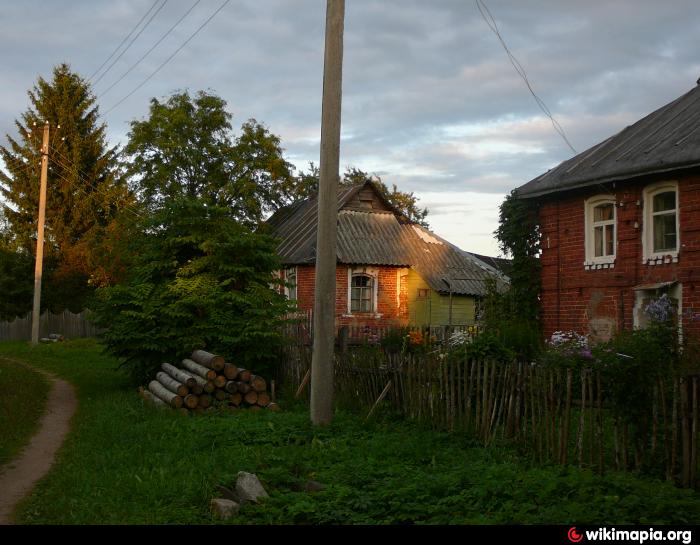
x=323, y=358
x=39, y=265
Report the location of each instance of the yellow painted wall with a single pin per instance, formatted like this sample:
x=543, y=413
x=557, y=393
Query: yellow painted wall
x=435, y=308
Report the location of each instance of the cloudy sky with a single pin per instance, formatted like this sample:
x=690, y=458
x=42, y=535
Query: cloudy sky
x=430, y=99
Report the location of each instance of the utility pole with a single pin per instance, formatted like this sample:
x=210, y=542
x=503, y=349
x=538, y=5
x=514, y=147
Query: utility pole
x=323, y=358
x=39, y=265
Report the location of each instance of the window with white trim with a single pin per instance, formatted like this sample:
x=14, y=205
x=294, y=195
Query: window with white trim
x=601, y=230
x=661, y=226
x=361, y=293
x=290, y=277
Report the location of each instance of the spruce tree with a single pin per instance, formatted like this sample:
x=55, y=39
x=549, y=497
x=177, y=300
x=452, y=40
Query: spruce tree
x=83, y=194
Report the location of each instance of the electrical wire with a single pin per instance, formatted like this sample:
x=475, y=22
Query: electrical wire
x=124, y=40
x=150, y=50
x=491, y=22
x=166, y=61
x=131, y=42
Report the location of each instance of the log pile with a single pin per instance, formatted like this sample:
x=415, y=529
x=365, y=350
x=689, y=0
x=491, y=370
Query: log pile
x=206, y=381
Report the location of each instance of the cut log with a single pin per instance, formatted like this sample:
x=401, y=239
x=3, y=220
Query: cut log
x=199, y=370
x=251, y=397
x=204, y=401
x=231, y=386
x=166, y=395
x=243, y=387
x=207, y=359
x=263, y=399
x=230, y=371
x=148, y=396
x=171, y=384
x=220, y=381
x=191, y=401
x=236, y=399
x=258, y=383
x=273, y=407
x=220, y=395
x=197, y=389
x=243, y=375
x=178, y=374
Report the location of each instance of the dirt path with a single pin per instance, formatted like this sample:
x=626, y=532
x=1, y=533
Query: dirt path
x=37, y=457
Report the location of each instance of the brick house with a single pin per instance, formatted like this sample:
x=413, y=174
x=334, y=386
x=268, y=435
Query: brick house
x=620, y=225
x=390, y=271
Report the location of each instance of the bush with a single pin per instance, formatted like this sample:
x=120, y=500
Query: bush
x=199, y=280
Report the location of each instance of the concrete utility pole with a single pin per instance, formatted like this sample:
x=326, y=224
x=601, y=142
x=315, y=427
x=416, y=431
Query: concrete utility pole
x=323, y=358
x=39, y=265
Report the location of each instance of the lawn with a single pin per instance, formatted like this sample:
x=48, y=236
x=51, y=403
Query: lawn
x=22, y=402
x=129, y=463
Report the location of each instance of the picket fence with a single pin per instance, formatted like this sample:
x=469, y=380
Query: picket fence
x=66, y=323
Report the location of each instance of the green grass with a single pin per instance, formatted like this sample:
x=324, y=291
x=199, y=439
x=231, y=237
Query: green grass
x=22, y=404
x=130, y=463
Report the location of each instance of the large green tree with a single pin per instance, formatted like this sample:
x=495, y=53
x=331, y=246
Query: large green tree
x=186, y=148
x=84, y=192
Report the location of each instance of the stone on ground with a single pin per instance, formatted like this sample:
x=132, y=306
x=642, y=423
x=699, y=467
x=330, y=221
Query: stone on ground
x=223, y=508
x=248, y=487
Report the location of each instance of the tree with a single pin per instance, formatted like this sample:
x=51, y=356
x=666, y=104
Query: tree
x=84, y=192
x=186, y=149
x=199, y=279
x=406, y=203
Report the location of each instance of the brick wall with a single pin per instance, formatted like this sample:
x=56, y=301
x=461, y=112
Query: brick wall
x=589, y=301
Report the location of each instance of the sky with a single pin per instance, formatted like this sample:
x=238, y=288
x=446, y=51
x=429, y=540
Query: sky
x=431, y=102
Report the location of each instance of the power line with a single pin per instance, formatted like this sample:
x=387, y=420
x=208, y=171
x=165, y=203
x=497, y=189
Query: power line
x=166, y=61
x=150, y=50
x=124, y=40
x=491, y=22
x=131, y=42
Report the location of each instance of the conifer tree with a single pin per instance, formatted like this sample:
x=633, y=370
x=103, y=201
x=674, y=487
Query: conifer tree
x=84, y=193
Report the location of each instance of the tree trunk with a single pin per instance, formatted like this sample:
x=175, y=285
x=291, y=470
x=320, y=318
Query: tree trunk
x=191, y=401
x=207, y=359
x=258, y=383
x=199, y=370
x=179, y=375
x=230, y=371
x=169, y=397
x=243, y=375
x=171, y=384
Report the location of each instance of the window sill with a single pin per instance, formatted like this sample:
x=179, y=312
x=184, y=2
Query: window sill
x=363, y=315
x=599, y=264
x=661, y=259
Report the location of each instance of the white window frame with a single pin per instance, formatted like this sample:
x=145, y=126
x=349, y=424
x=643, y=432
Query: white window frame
x=590, y=225
x=364, y=271
x=650, y=256
x=287, y=290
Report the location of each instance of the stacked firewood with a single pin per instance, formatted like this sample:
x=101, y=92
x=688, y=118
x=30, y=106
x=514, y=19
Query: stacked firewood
x=206, y=380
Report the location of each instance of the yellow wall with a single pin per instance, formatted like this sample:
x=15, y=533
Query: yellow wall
x=435, y=308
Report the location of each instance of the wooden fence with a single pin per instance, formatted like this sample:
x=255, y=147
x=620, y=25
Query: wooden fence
x=557, y=415
x=66, y=323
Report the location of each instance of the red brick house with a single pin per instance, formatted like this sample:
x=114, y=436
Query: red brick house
x=620, y=225
x=390, y=271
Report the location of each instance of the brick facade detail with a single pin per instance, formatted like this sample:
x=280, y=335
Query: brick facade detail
x=600, y=301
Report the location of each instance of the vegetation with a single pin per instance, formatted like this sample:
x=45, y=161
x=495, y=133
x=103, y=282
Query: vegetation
x=21, y=406
x=85, y=192
x=168, y=466
x=198, y=279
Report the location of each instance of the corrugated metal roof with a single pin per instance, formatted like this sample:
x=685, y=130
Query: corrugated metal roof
x=665, y=140
x=382, y=238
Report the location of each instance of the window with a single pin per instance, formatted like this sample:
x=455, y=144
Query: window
x=661, y=223
x=646, y=294
x=290, y=276
x=361, y=298
x=600, y=237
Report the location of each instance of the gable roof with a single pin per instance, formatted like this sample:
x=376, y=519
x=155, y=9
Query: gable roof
x=381, y=236
x=665, y=140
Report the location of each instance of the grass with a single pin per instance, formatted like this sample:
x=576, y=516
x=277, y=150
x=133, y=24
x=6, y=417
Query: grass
x=22, y=404
x=130, y=463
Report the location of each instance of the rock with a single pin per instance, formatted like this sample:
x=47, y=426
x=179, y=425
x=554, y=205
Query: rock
x=314, y=486
x=248, y=487
x=223, y=508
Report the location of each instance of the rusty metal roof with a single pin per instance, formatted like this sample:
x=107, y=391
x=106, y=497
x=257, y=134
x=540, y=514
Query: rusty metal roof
x=382, y=238
x=665, y=140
